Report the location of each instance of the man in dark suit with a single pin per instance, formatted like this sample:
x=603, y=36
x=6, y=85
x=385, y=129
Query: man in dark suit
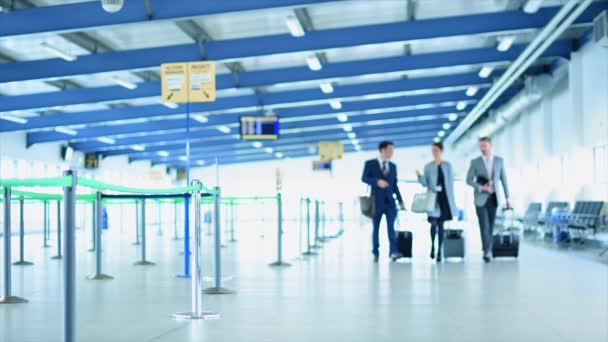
x=381, y=175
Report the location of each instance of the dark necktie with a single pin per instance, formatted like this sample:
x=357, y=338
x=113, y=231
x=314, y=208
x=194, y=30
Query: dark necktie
x=384, y=168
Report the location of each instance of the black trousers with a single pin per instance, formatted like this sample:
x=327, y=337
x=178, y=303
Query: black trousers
x=487, y=216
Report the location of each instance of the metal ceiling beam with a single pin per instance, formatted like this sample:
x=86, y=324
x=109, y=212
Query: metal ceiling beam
x=89, y=15
x=248, y=103
x=284, y=75
x=165, y=125
x=230, y=50
x=404, y=132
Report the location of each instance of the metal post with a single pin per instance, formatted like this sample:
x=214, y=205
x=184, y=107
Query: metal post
x=98, y=275
x=47, y=225
x=176, y=222
x=232, y=219
x=69, y=261
x=142, y=221
x=341, y=217
x=301, y=220
x=218, y=289
x=279, y=261
x=58, y=256
x=160, y=218
x=22, y=261
x=196, y=267
x=137, y=223
x=323, y=237
x=93, y=224
x=308, y=245
x=317, y=223
x=7, y=298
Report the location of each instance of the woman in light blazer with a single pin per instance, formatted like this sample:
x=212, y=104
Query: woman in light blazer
x=439, y=177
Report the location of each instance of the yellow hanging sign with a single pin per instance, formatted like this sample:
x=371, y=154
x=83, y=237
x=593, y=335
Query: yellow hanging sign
x=188, y=82
x=330, y=150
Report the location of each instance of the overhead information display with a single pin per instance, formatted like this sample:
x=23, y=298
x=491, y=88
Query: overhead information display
x=188, y=82
x=259, y=127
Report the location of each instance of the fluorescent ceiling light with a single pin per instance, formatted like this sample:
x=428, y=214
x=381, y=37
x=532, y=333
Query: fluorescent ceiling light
x=294, y=25
x=314, y=63
x=163, y=153
x=436, y=139
x=461, y=105
x=347, y=128
x=355, y=142
x=170, y=105
x=55, y=51
x=532, y=6
x=342, y=117
x=202, y=119
x=352, y=135
x=471, y=91
x=139, y=148
x=268, y=150
x=278, y=155
x=106, y=140
x=446, y=126
x=65, y=130
x=200, y=162
x=123, y=83
x=183, y=158
x=440, y=133
x=326, y=88
x=14, y=119
x=453, y=117
x=257, y=144
x=357, y=148
x=504, y=43
x=486, y=71
x=336, y=104
x=223, y=129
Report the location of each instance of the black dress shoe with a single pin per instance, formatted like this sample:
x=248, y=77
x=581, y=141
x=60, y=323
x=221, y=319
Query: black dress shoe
x=376, y=258
x=487, y=259
x=433, y=253
x=439, y=258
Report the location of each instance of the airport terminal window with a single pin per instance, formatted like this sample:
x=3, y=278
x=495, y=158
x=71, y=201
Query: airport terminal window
x=600, y=158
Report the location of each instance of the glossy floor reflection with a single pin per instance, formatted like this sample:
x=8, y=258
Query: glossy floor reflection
x=338, y=295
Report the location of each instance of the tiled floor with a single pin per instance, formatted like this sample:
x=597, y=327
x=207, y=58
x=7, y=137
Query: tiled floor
x=338, y=295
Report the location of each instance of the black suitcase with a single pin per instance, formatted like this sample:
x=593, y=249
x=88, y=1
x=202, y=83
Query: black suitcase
x=505, y=244
x=404, y=243
x=453, y=243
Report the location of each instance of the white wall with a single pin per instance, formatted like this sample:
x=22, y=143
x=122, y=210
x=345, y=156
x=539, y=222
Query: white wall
x=558, y=150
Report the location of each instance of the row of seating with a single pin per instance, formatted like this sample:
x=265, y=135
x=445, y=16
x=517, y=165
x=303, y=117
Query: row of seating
x=586, y=217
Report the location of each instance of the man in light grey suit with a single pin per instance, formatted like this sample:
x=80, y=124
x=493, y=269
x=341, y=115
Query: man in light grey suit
x=484, y=175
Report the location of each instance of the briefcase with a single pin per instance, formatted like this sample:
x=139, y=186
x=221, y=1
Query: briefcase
x=368, y=206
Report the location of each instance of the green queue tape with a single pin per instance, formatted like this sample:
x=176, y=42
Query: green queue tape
x=33, y=182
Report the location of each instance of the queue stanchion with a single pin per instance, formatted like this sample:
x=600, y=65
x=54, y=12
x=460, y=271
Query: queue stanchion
x=279, y=261
x=142, y=222
x=69, y=260
x=217, y=289
x=309, y=250
x=22, y=261
x=175, y=223
x=300, y=224
x=46, y=227
x=323, y=221
x=137, y=224
x=196, y=267
x=341, y=217
x=93, y=225
x=58, y=256
x=98, y=275
x=232, y=219
x=7, y=297
x=160, y=219
x=317, y=218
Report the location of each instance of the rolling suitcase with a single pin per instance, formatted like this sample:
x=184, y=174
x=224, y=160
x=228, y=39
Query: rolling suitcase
x=453, y=243
x=505, y=242
x=404, y=243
